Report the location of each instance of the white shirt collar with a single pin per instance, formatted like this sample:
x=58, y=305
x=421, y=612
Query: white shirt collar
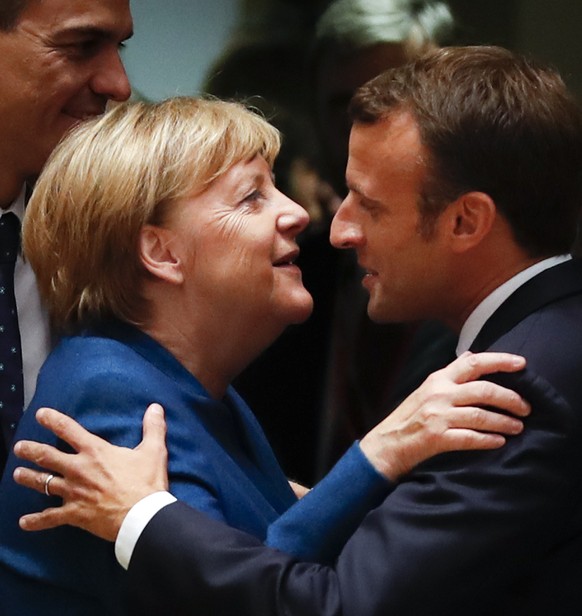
x=489, y=305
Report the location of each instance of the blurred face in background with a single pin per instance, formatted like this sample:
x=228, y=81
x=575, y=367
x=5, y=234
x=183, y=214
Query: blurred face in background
x=338, y=75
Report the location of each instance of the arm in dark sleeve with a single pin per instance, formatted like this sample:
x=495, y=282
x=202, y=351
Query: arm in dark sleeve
x=458, y=532
x=221, y=571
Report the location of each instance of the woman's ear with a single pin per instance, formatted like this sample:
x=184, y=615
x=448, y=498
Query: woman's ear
x=472, y=216
x=158, y=254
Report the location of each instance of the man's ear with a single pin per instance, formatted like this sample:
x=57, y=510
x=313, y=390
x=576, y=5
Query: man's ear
x=471, y=218
x=158, y=255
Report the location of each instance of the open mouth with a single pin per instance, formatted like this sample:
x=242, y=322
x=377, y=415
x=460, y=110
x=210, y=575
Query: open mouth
x=366, y=271
x=288, y=259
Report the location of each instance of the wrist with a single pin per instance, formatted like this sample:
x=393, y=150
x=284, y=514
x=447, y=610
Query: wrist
x=382, y=456
x=135, y=521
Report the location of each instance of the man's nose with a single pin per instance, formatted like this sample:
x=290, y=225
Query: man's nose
x=110, y=78
x=345, y=232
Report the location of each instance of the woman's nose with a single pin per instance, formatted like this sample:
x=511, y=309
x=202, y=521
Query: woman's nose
x=293, y=217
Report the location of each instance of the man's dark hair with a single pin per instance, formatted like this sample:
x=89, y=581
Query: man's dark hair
x=495, y=122
x=10, y=11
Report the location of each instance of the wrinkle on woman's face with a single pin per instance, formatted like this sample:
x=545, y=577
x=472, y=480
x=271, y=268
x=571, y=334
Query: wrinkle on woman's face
x=237, y=241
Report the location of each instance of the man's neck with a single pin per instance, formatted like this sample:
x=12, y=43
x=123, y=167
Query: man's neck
x=10, y=187
x=489, y=283
x=489, y=304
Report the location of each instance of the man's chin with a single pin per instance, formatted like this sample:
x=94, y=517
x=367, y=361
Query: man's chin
x=384, y=314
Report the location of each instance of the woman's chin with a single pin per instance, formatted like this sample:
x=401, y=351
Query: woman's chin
x=301, y=310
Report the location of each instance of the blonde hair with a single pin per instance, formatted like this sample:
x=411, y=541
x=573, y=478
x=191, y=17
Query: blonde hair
x=113, y=175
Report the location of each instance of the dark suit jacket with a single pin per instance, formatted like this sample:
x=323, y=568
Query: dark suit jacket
x=496, y=532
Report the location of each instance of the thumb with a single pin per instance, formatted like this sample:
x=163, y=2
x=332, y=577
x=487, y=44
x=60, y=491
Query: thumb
x=154, y=429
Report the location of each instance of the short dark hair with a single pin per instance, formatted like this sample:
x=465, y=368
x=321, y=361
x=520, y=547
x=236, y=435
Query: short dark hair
x=10, y=11
x=495, y=122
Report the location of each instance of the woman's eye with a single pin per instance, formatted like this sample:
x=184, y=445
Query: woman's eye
x=253, y=197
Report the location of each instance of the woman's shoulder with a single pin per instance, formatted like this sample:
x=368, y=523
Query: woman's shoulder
x=88, y=367
x=93, y=354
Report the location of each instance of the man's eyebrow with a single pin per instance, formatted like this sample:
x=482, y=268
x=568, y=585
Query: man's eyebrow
x=356, y=189
x=359, y=192
x=92, y=32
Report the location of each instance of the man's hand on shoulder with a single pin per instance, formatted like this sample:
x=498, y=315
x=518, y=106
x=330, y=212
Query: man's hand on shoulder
x=101, y=482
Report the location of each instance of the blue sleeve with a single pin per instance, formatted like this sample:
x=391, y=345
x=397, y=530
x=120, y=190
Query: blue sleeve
x=318, y=525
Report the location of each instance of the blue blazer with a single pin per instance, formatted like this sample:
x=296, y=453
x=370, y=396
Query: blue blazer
x=481, y=533
x=219, y=461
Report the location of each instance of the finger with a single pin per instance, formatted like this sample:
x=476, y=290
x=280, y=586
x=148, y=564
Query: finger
x=486, y=393
x=67, y=429
x=154, y=430
x=475, y=418
x=469, y=366
x=463, y=440
x=41, y=454
x=43, y=520
x=36, y=480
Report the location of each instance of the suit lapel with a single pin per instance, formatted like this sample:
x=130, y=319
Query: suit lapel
x=549, y=286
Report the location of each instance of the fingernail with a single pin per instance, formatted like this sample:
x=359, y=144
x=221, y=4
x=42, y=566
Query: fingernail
x=156, y=409
x=517, y=428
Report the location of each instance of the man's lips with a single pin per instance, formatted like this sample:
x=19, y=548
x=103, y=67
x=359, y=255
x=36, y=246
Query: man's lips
x=80, y=115
x=366, y=270
x=368, y=275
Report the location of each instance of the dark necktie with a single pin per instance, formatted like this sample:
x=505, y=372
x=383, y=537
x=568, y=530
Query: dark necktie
x=11, y=381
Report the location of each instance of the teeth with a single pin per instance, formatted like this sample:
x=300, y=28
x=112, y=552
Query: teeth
x=284, y=262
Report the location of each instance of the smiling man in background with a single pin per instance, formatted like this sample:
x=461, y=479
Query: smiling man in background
x=59, y=65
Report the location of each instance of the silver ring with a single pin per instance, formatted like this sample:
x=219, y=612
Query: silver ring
x=46, y=484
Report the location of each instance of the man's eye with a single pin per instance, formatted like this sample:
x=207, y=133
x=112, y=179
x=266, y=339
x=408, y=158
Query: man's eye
x=371, y=208
x=83, y=49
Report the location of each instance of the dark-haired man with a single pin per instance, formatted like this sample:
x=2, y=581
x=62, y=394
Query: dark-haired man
x=465, y=185
x=59, y=64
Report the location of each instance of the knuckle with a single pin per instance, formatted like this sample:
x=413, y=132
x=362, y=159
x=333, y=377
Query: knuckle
x=486, y=390
x=472, y=362
x=26, y=449
x=434, y=379
x=434, y=426
x=58, y=422
x=477, y=416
